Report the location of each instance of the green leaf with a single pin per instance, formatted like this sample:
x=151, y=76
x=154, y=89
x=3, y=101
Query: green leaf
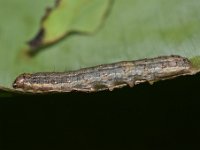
x=70, y=16
x=134, y=29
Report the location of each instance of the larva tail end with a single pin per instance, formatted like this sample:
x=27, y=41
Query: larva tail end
x=19, y=81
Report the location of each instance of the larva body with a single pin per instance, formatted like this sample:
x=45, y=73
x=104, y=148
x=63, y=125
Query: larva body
x=103, y=77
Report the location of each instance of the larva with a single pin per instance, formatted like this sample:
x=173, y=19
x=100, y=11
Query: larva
x=105, y=77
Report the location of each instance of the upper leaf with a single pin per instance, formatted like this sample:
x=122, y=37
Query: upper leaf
x=134, y=29
x=68, y=16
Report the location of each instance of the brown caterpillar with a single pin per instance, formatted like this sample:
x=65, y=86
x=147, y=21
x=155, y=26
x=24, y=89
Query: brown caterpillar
x=108, y=76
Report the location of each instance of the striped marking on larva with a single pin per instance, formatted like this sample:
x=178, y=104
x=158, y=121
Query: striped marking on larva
x=105, y=77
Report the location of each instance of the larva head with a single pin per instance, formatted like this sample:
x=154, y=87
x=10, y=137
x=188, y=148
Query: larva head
x=170, y=66
x=20, y=81
x=180, y=63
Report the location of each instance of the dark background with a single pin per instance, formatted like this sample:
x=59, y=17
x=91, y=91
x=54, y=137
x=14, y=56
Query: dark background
x=165, y=115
